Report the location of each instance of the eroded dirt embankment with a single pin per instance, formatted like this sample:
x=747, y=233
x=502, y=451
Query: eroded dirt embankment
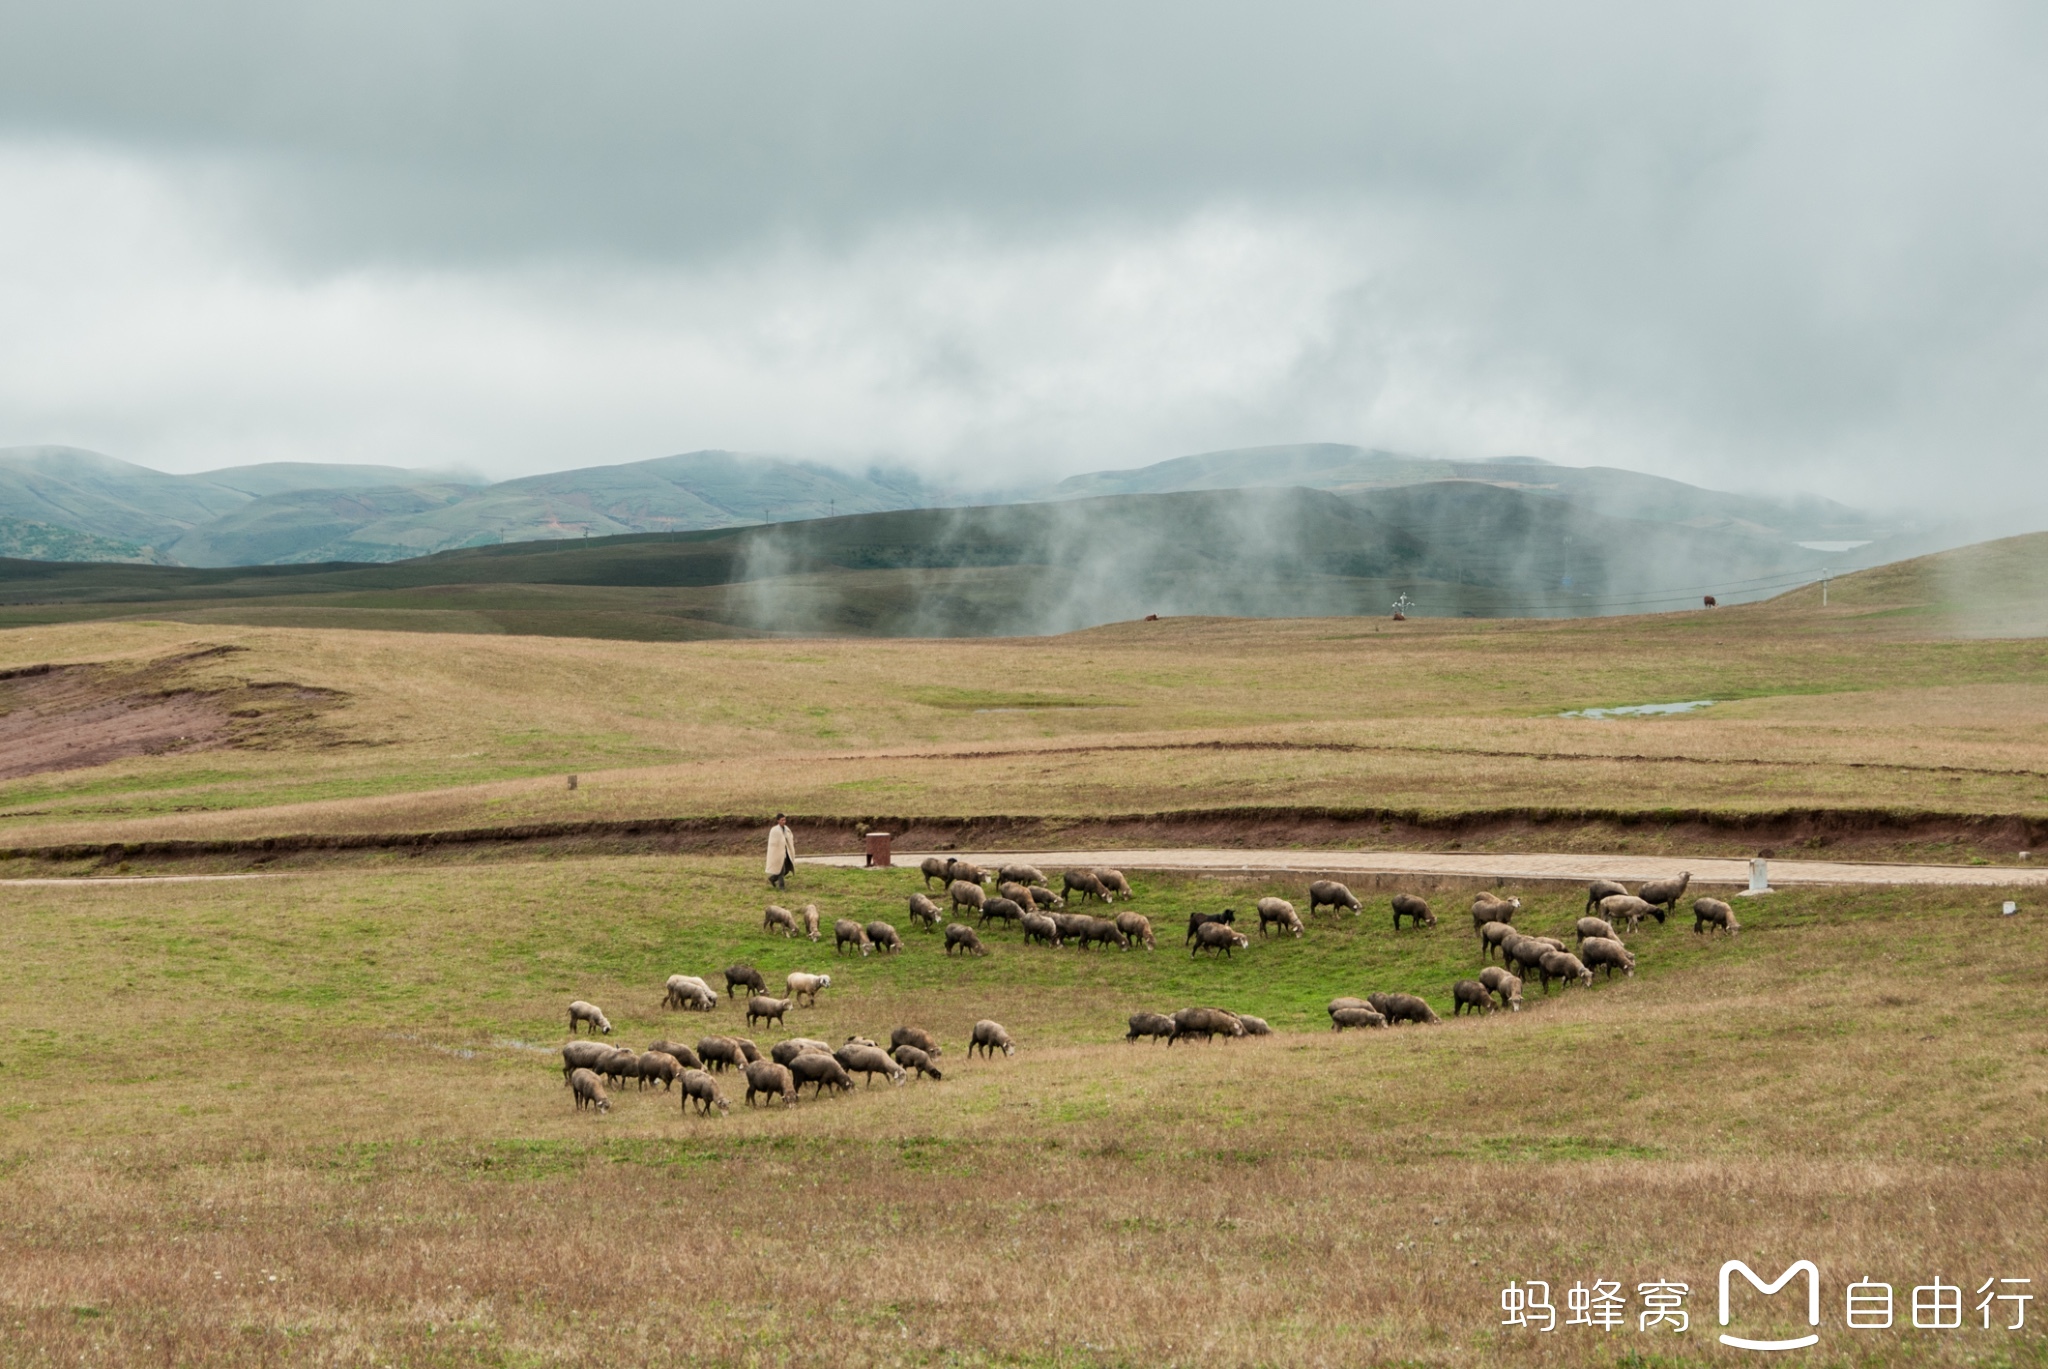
x=1842, y=834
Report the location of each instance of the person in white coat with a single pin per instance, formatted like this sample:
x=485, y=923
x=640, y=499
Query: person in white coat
x=781, y=852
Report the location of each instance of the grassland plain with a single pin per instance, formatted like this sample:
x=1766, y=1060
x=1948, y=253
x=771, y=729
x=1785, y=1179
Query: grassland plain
x=1869, y=703
x=316, y=1118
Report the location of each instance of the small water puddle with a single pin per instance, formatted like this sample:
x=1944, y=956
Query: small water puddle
x=1639, y=710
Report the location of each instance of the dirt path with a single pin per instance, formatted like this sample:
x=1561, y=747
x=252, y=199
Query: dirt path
x=1576, y=869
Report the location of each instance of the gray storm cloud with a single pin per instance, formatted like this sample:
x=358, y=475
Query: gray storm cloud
x=1739, y=245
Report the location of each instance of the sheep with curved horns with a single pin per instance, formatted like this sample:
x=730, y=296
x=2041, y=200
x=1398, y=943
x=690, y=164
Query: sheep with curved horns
x=581, y=1012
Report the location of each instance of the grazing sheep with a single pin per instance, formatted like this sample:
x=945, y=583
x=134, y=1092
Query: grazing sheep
x=804, y=988
x=778, y=919
x=1087, y=885
x=1486, y=908
x=1414, y=909
x=1001, y=909
x=1504, y=985
x=1278, y=912
x=1404, y=1007
x=1043, y=897
x=811, y=920
x=1494, y=934
x=1565, y=966
x=788, y=1049
x=749, y=1052
x=818, y=1068
x=1524, y=952
x=1593, y=926
x=1022, y=874
x=960, y=937
x=588, y=1092
x=1328, y=893
x=1039, y=928
x=1196, y=921
x=581, y=1053
x=1214, y=936
x=1254, y=1026
x=918, y=1037
x=1602, y=888
x=1069, y=924
x=871, y=1060
x=967, y=895
x=936, y=868
x=1619, y=907
x=990, y=1037
x=973, y=874
x=690, y=992
x=1150, y=1024
x=916, y=1061
x=884, y=938
x=581, y=1012
x=1093, y=929
x=661, y=1066
x=684, y=1056
x=847, y=932
x=1114, y=881
x=1712, y=912
x=702, y=1087
x=1599, y=952
x=1470, y=993
x=923, y=910
x=1344, y=1019
x=1207, y=1023
x=720, y=1052
x=765, y=1009
x=771, y=1080
x=744, y=976
x=1337, y=1003
x=1018, y=894
x=618, y=1065
x=1665, y=893
x=1136, y=928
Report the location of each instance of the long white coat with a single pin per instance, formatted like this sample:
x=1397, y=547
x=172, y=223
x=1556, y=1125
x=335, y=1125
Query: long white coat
x=781, y=843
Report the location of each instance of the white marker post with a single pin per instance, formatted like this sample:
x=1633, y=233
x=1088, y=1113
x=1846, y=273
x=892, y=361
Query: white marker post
x=2011, y=908
x=1759, y=878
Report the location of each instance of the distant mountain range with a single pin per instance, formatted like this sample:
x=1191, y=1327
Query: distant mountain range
x=66, y=504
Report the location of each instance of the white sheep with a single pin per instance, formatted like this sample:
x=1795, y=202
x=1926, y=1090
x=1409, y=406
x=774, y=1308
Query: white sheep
x=581, y=1012
x=803, y=988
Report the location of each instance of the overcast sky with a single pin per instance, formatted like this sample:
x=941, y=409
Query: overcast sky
x=1774, y=246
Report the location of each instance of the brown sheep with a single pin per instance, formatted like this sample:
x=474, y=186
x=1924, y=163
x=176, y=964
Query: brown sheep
x=967, y=895
x=1524, y=952
x=805, y=988
x=1593, y=926
x=1414, y=909
x=1214, y=936
x=1404, y=1007
x=1504, y=985
x=1344, y=1019
x=1199, y=920
x=1040, y=928
x=871, y=1060
x=1328, y=893
x=1087, y=930
x=581, y=1012
x=749, y=1052
x=973, y=874
x=659, y=1066
x=1337, y=1003
x=811, y=920
x=1254, y=1026
x=1018, y=894
x=588, y=1092
x=690, y=992
x=990, y=1038
x=618, y=1065
x=818, y=1068
x=924, y=911
x=1136, y=928
x=720, y=1052
x=959, y=937
x=1087, y=885
x=1665, y=893
x=784, y=1051
x=1022, y=874
x=1114, y=881
x=1492, y=935
x=771, y=1080
x=1278, y=912
x=738, y=976
x=1565, y=966
x=1470, y=993
x=1486, y=908
x=1001, y=909
x=936, y=868
x=918, y=1037
x=1712, y=912
x=1599, y=952
x=1150, y=1024
x=1602, y=888
x=702, y=1087
x=916, y=1061
x=884, y=938
x=777, y=919
x=762, y=1008
x=1207, y=1023
x=847, y=932
x=1626, y=907
x=581, y=1053
x=1045, y=898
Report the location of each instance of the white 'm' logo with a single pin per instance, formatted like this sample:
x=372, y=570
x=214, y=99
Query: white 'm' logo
x=1812, y=1303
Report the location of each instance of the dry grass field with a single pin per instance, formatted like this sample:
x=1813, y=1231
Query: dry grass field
x=316, y=1118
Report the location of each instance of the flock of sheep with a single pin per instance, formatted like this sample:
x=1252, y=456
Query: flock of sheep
x=1025, y=898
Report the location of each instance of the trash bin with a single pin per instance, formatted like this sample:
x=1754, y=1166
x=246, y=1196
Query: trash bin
x=878, y=848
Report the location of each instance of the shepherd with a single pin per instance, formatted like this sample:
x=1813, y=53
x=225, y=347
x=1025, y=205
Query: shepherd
x=781, y=852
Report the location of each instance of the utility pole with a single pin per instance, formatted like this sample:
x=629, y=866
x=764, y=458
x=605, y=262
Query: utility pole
x=1827, y=573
